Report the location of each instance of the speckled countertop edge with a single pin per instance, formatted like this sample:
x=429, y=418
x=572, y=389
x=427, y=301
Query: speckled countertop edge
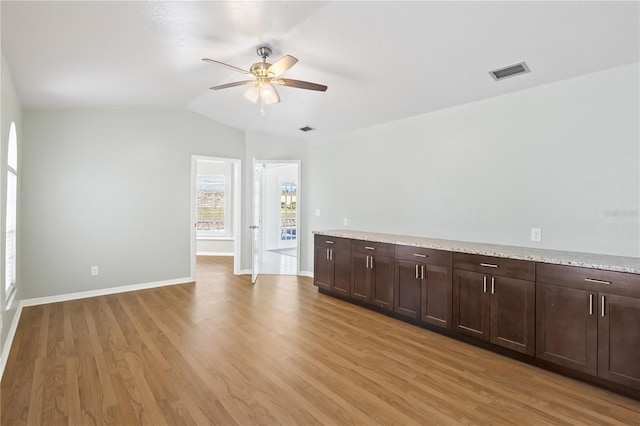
x=586, y=260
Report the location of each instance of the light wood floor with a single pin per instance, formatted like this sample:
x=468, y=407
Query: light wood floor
x=225, y=352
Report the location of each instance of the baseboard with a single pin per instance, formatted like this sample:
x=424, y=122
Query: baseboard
x=306, y=274
x=244, y=272
x=103, y=292
x=7, y=344
x=214, y=253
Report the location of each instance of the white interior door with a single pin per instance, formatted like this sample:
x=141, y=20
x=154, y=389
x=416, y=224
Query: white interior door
x=255, y=227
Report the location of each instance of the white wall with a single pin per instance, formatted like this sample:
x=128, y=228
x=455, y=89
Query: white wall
x=563, y=157
x=111, y=188
x=270, y=147
x=10, y=111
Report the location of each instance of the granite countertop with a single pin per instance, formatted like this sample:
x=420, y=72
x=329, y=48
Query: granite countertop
x=585, y=260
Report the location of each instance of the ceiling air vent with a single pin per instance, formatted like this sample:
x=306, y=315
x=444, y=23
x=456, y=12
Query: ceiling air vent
x=510, y=71
x=306, y=129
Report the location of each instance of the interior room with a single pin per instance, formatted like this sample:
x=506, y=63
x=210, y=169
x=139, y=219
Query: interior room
x=320, y=212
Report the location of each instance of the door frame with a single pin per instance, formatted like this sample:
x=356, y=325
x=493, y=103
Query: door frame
x=298, y=164
x=236, y=191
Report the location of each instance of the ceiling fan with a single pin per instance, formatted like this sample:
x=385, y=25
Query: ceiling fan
x=264, y=77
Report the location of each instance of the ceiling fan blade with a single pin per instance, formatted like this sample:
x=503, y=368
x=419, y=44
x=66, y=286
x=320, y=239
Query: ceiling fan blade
x=231, y=67
x=234, y=84
x=301, y=84
x=282, y=65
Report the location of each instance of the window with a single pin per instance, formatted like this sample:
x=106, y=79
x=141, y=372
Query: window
x=12, y=195
x=288, y=206
x=212, y=218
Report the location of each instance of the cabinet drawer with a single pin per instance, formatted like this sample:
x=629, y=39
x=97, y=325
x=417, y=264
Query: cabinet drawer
x=374, y=249
x=498, y=266
x=424, y=255
x=589, y=279
x=332, y=242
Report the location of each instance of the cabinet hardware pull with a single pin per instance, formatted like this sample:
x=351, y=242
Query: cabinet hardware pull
x=602, y=306
x=369, y=248
x=417, y=270
x=484, y=282
x=591, y=304
x=489, y=265
x=371, y=262
x=493, y=285
x=329, y=242
x=420, y=255
x=367, y=262
x=330, y=254
x=327, y=254
x=422, y=271
x=591, y=280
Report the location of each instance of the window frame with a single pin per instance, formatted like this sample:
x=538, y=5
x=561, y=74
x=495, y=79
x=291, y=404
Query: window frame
x=227, y=233
x=11, y=252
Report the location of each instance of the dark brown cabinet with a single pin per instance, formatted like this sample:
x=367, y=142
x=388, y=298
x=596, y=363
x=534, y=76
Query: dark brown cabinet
x=332, y=271
x=588, y=320
x=372, y=278
x=494, y=300
x=423, y=285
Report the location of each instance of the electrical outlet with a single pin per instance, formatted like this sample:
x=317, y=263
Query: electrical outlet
x=536, y=234
x=345, y=221
x=94, y=271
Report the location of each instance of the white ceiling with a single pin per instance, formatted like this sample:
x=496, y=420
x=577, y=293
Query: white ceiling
x=381, y=60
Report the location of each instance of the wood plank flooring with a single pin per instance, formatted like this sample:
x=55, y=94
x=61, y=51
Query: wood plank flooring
x=223, y=351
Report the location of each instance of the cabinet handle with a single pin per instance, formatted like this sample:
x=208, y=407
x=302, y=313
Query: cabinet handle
x=493, y=285
x=420, y=255
x=417, y=266
x=330, y=254
x=367, y=261
x=489, y=265
x=591, y=280
x=591, y=304
x=602, y=306
x=422, y=271
x=327, y=254
x=329, y=242
x=371, y=262
x=369, y=248
x=484, y=282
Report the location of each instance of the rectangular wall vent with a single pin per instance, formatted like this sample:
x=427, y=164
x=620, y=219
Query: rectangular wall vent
x=306, y=129
x=510, y=71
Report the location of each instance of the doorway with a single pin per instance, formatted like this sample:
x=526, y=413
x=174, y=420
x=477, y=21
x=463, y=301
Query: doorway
x=215, y=209
x=279, y=216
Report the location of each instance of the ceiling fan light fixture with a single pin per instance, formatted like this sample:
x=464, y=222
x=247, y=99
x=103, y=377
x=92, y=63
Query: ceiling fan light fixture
x=253, y=93
x=267, y=91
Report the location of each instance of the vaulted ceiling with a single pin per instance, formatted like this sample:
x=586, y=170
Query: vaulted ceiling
x=382, y=60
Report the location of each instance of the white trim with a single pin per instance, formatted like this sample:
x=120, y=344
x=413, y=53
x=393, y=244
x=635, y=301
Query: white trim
x=9, y=342
x=243, y=272
x=306, y=274
x=102, y=292
x=214, y=253
x=214, y=238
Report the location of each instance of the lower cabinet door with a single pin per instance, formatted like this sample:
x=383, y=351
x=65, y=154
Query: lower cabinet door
x=407, y=289
x=619, y=339
x=382, y=280
x=567, y=327
x=437, y=296
x=470, y=304
x=323, y=269
x=513, y=314
x=360, y=277
x=342, y=272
